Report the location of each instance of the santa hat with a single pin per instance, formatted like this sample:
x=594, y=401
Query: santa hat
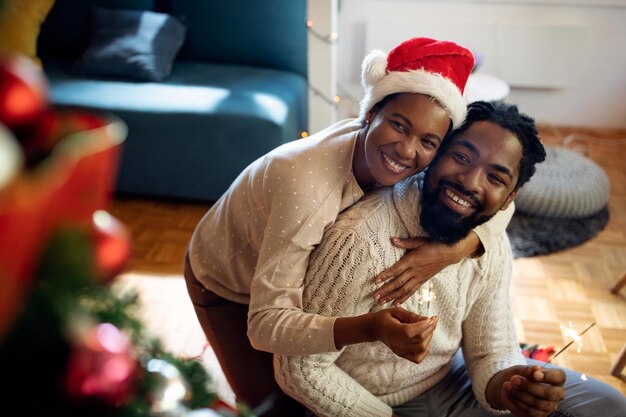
x=420, y=65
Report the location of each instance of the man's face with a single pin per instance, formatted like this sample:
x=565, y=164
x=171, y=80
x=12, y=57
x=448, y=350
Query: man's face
x=473, y=179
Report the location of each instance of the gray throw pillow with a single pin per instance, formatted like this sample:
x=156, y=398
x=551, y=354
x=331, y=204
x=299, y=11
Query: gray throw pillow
x=135, y=44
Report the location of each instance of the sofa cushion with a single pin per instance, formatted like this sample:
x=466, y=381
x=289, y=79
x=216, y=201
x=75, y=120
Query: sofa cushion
x=200, y=111
x=66, y=31
x=270, y=34
x=132, y=44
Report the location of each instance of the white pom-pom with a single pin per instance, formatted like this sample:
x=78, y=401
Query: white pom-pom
x=373, y=68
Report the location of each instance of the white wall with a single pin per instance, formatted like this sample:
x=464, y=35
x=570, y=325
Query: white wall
x=565, y=59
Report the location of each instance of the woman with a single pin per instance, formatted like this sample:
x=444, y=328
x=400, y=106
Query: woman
x=248, y=255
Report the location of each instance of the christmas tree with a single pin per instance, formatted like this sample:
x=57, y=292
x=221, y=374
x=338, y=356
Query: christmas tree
x=69, y=344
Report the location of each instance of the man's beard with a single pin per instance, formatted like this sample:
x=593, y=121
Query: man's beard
x=440, y=222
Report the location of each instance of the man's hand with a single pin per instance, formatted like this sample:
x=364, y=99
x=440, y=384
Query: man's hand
x=423, y=260
x=406, y=334
x=527, y=391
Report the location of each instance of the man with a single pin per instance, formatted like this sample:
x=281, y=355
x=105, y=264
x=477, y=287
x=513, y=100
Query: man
x=477, y=172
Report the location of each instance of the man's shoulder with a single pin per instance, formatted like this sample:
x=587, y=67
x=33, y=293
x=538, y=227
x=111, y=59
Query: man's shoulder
x=370, y=209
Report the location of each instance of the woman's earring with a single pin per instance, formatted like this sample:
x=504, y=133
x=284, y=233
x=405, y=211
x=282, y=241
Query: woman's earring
x=367, y=121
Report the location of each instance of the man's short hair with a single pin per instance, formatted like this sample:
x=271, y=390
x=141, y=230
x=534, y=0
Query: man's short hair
x=510, y=118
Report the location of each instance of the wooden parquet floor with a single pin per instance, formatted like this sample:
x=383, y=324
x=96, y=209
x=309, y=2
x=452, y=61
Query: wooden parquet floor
x=569, y=286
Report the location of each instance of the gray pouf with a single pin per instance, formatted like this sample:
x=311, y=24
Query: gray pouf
x=566, y=185
x=533, y=235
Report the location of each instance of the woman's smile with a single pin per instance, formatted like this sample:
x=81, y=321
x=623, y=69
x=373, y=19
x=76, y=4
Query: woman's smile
x=393, y=165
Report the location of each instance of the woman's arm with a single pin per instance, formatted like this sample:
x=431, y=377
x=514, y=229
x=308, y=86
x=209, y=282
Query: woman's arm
x=425, y=258
x=276, y=320
x=405, y=333
x=491, y=230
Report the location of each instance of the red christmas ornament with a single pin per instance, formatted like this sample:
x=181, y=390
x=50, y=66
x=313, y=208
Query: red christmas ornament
x=23, y=91
x=112, y=244
x=101, y=365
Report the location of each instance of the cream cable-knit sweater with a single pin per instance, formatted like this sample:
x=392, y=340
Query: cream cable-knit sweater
x=253, y=245
x=472, y=303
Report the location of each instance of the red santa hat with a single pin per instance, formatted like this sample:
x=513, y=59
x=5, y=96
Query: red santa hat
x=420, y=65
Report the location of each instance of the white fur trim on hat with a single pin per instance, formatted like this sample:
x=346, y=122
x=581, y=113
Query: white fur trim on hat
x=374, y=68
x=415, y=81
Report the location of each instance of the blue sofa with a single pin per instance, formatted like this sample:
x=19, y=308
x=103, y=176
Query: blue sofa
x=238, y=88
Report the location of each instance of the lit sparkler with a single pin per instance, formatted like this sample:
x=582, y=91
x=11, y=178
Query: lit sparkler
x=426, y=297
x=571, y=333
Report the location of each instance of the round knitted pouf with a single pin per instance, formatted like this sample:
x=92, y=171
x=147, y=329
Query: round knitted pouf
x=533, y=235
x=566, y=185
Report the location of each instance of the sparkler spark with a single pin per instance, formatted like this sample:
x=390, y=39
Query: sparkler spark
x=572, y=334
x=426, y=297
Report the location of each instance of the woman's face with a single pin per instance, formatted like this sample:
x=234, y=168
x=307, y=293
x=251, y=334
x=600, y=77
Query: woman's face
x=403, y=136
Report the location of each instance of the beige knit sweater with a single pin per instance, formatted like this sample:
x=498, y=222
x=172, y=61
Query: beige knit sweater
x=253, y=245
x=472, y=303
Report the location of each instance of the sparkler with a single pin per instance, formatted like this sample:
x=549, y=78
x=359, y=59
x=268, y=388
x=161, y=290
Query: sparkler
x=574, y=335
x=426, y=297
x=570, y=332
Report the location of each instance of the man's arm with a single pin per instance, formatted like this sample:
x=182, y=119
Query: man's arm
x=489, y=338
x=324, y=388
x=338, y=284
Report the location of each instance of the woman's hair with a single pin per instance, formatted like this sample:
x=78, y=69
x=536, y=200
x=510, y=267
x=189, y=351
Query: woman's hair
x=510, y=118
x=382, y=103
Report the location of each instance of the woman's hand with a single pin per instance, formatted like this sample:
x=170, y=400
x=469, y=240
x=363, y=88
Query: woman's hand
x=423, y=260
x=527, y=391
x=407, y=336
x=405, y=333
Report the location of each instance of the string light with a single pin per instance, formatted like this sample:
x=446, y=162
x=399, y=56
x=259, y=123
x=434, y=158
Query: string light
x=331, y=101
x=330, y=39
